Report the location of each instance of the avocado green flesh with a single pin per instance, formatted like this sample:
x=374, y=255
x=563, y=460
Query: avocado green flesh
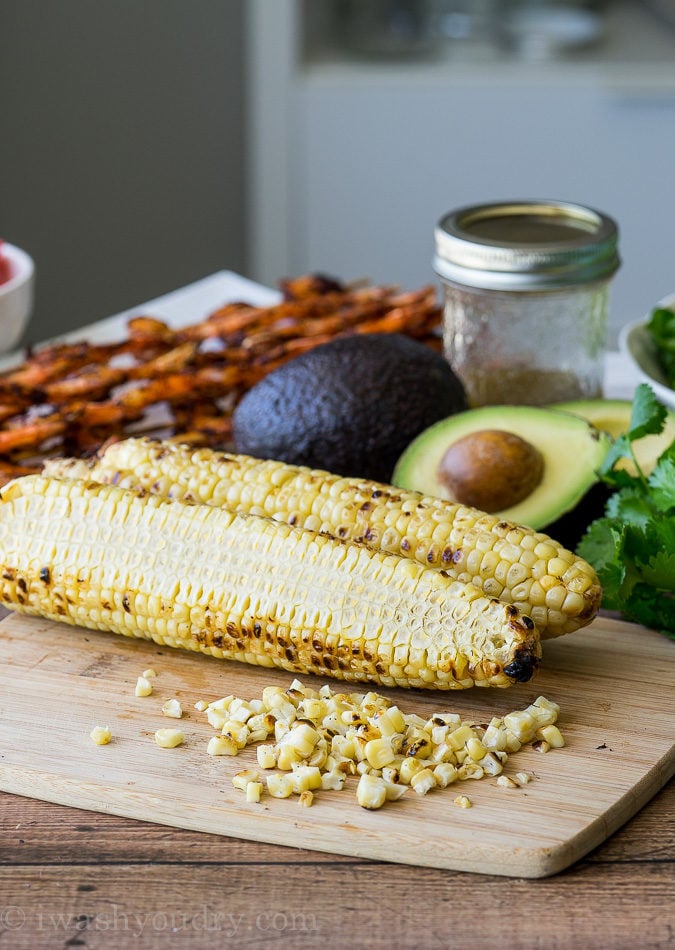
x=613, y=416
x=573, y=451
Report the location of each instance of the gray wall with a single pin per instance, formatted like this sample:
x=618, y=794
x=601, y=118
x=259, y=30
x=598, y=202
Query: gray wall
x=121, y=148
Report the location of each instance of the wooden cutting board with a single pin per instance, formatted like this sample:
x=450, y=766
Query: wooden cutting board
x=614, y=682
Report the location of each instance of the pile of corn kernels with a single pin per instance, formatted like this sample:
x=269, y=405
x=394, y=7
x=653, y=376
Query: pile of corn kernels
x=308, y=739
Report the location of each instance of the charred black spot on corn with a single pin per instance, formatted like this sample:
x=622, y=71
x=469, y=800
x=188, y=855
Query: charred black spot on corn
x=45, y=575
x=523, y=667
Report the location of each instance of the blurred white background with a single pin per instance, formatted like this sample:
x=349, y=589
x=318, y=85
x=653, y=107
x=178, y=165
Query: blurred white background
x=147, y=144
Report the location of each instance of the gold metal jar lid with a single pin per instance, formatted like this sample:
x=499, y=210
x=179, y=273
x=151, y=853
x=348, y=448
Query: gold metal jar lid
x=526, y=245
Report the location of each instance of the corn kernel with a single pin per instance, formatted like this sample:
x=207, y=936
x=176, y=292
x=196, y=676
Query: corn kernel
x=505, y=782
x=149, y=674
x=100, y=735
x=423, y=781
x=306, y=777
x=379, y=753
x=333, y=781
x=408, y=768
x=254, y=791
x=445, y=774
x=243, y=778
x=143, y=686
x=552, y=735
x=169, y=738
x=201, y=705
x=371, y=792
x=306, y=798
x=222, y=745
x=267, y=756
x=280, y=785
x=463, y=801
x=173, y=709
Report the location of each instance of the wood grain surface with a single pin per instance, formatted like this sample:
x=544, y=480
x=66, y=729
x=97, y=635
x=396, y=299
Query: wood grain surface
x=74, y=878
x=57, y=682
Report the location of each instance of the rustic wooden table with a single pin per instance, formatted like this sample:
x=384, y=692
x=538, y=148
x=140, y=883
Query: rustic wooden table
x=72, y=878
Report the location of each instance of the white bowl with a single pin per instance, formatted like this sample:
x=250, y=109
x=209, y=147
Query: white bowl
x=636, y=343
x=16, y=296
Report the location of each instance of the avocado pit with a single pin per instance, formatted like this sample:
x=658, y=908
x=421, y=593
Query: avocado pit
x=491, y=469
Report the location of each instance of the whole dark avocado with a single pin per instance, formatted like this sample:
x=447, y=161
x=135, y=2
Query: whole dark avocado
x=349, y=406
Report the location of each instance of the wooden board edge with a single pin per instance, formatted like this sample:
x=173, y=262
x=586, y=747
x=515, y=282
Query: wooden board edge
x=533, y=863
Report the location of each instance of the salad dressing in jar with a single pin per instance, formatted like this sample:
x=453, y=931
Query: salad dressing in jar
x=526, y=291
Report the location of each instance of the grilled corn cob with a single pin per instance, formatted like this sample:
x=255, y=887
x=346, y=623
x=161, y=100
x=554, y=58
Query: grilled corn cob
x=249, y=588
x=557, y=589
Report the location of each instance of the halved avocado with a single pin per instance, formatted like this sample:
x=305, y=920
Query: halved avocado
x=551, y=473
x=613, y=416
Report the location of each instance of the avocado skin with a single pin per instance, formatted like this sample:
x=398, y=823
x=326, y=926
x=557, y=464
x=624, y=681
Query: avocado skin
x=349, y=406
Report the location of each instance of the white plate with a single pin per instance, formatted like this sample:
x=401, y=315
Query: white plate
x=636, y=343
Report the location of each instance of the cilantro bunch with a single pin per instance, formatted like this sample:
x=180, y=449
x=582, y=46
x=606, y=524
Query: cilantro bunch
x=632, y=547
x=661, y=327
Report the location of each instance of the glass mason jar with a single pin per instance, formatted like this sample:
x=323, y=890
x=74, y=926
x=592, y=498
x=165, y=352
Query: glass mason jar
x=526, y=291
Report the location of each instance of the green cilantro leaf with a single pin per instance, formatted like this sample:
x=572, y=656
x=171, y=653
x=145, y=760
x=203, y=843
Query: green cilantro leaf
x=632, y=547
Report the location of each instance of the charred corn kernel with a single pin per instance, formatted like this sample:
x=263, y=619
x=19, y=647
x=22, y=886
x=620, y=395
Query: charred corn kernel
x=243, y=778
x=280, y=785
x=150, y=674
x=143, y=686
x=371, y=792
x=423, y=781
x=379, y=753
x=552, y=735
x=506, y=782
x=541, y=745
x=100, y=735
x=267, y=756
x=445, y=774
x=463, y=801
x=222, y=745
x=173, y=709
x=201, y=705
x=306, y=798
x=254, y=792
x=237, y=731
x=169, y=738
x=505, y=559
